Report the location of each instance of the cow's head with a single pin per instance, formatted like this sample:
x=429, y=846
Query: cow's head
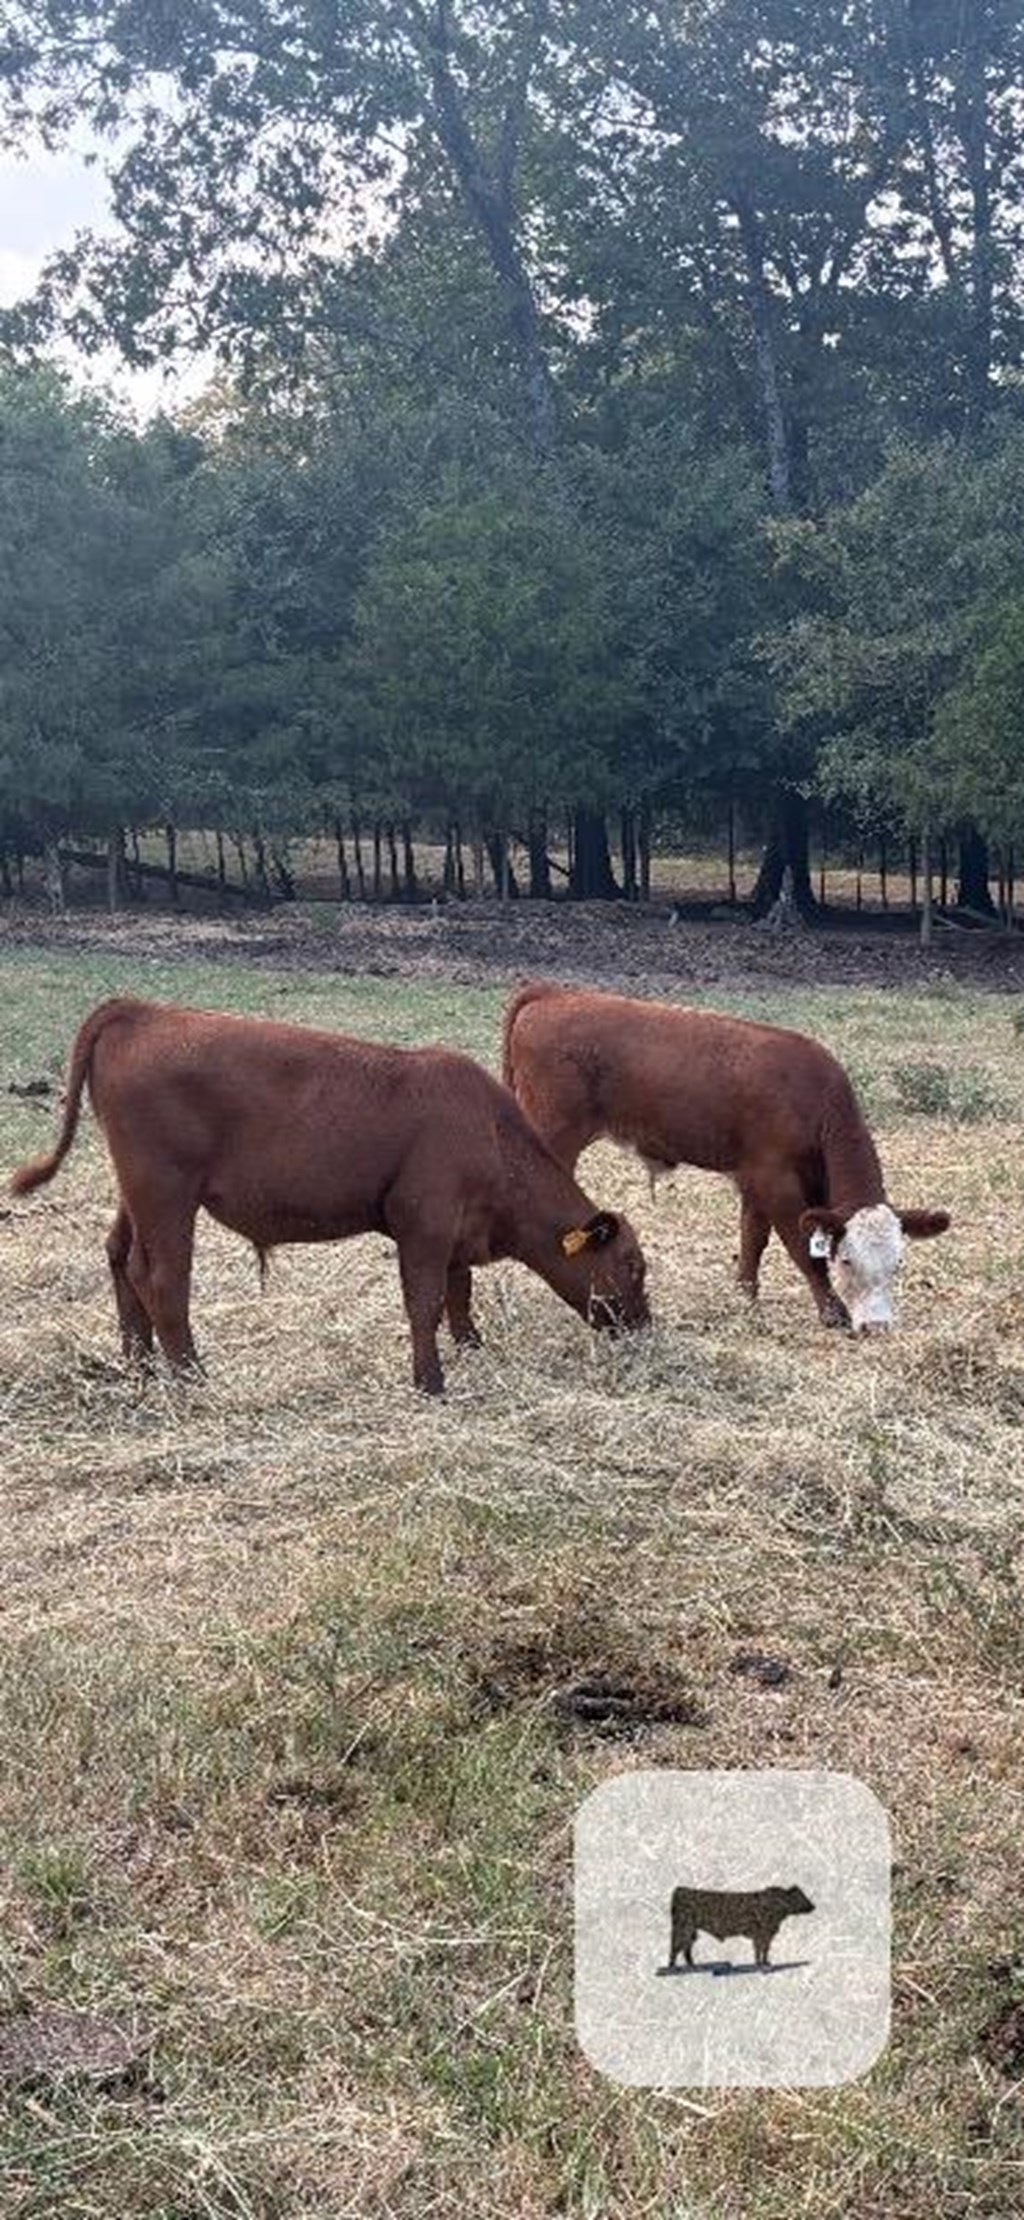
x=795, y=1901
x=602, y=1271
x=864, y=1252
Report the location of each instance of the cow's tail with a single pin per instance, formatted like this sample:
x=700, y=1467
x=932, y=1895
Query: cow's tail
x=42, y=1168
x=535, y=991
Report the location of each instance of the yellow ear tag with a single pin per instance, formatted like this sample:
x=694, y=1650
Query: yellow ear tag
x=573, y=1242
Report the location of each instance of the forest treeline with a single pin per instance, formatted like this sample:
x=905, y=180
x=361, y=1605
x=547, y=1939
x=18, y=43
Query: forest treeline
x=617, y=425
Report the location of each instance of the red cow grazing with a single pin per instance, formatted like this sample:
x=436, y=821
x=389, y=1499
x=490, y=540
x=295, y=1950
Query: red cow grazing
x=285, y=1134
x=770, y=1107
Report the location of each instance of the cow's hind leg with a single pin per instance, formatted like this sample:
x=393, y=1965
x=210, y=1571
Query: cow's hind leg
x=160, y=1270
x=136, y=1323
x=458, y=1304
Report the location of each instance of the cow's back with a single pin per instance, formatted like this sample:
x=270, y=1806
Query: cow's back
x=287, y=1132
x=680, y=1085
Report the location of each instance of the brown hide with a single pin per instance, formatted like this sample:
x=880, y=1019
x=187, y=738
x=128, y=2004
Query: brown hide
x=769, y=1107
x=284, y=1134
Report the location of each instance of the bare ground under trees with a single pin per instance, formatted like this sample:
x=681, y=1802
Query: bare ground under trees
x=485, y=943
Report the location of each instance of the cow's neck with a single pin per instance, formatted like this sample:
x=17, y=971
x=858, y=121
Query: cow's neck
x=543, y=1202
x=853, y=1173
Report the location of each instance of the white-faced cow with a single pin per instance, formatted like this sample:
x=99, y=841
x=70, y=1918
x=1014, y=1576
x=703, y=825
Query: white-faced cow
x=769, y=1107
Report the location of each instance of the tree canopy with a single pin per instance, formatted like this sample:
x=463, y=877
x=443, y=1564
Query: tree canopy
x=618, y=415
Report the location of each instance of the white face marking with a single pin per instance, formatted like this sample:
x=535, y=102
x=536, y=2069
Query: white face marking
x=865, y=1264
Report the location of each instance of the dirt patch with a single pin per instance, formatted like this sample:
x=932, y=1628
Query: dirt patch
x=55, y=2043
x=585, y=1672
x=762, y=1670
x=482, y=943
x=1001, y=2040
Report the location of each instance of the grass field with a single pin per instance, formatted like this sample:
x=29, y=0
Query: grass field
x=287, y=1791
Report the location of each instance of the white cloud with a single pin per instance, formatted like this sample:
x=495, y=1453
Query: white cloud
x=44, y=200
x=18, y=274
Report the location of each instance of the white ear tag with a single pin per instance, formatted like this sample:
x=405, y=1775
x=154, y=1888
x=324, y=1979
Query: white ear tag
x=820, y=1243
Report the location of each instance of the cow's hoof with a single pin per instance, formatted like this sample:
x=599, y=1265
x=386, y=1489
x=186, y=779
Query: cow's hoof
x=835, y=1317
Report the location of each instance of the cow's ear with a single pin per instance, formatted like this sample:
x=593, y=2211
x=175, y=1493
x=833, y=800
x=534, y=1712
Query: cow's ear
x=923, y=1225
x=823, y=1221
x=598, y=1231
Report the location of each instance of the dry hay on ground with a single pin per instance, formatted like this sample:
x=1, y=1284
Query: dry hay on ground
x=289, y=1673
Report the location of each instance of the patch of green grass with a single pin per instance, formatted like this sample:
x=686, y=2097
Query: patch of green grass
x=963, y=1094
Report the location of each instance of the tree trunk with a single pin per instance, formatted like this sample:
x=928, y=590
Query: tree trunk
x=409, y=862
x=357, y=854
x=284, y=876
x=627, y=847
x=239, y=841
x=540, y=867
x=487, y=193
x=115, y=870
x=222, y=876
x=593, y=879
x=883, y=871
x=780, y=463
x=943, y=875
x=926, y=882
x=136, y=881
x=505, y=883
x=731, y=836
x=971, y=99
x=460, y=864
x=644, y=849
x=396, y=888
x=478, y=866
x=171, y=837
x=912, y=867
x=259, y=855
x=6, y=881
x=378, y=876
x=973, y=891
x=344, y=882
x=448, y=869
x=56, y=878
x=788, y=848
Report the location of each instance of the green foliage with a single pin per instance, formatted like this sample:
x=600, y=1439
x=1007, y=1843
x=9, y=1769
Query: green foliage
x=964, y=1096
x=882, y=660
x=529, y=315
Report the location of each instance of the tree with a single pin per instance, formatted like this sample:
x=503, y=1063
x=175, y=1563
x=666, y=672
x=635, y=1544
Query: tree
x=896, y=587
x=85, y=630
x=487, y=653
x=258, y=144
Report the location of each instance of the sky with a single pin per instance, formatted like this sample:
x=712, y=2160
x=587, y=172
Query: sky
x=44, y=199
x=43, y=202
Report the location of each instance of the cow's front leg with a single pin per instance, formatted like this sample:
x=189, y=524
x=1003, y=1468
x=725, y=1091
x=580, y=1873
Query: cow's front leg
x=458, y=1304
x=787, y=1214
x=424, y=1284
x=755, y=1229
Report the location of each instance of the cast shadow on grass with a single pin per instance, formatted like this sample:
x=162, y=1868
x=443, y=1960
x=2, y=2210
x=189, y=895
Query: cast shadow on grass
x=722, y=1967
